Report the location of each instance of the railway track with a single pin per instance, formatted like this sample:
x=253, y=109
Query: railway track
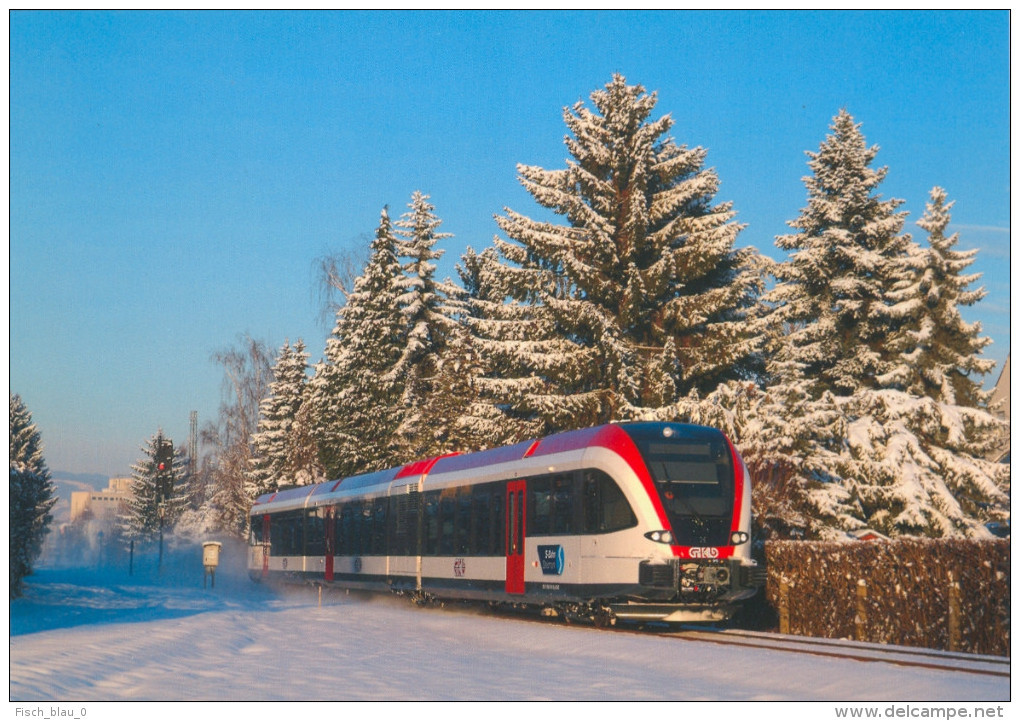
x=853, y=650
x=958, y=662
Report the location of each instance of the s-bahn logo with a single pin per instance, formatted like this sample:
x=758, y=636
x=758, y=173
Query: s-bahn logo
x=459, y=567
x=703, y=553
x=551, y=560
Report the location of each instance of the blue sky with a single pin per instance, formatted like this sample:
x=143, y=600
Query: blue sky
x=174, y=176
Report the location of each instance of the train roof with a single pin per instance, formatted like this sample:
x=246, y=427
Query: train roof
x=618, y=437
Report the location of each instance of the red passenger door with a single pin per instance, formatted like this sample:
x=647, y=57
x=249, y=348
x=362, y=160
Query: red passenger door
x=515, y=517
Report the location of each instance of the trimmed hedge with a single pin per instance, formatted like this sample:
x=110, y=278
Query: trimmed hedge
x=908, y=596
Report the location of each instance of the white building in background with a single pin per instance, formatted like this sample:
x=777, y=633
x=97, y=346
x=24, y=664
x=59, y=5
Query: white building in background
x=999, y=402
x=105, y=505
x=999, y=405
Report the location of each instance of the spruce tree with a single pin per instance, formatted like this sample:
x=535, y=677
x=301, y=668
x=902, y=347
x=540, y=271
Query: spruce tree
x=458, y=418
x=355, y=395
x=158, y=495
x=639, y=298
x=430, y=309
x=833, y=294
x=940, y=356
x=278, y=459
x=493, y=421
x=32, y=495
x=849, y=429
x=917, y=466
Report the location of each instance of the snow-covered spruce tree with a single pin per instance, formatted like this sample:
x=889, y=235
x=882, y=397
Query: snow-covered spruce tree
x=940, y=351
x=278, y=459
x=32, y=495
x=639, y=299
x=833, y=293
x=430, y=309
x=158, y=496
x=492, y=420
x=355, y=395
x=917, y=466
x=890, y=459
x=457, y=419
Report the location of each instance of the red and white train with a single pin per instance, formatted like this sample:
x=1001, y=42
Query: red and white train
x=634, y=521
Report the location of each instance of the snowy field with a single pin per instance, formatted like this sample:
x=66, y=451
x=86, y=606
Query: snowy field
x=92, y=636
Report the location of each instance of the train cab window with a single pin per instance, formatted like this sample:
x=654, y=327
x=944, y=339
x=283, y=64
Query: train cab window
x=256, y=530
x=605, y=507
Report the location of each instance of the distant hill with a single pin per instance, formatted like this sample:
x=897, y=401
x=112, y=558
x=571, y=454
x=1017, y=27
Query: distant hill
x=95, y=480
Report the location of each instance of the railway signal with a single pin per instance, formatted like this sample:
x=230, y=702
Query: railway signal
x=164, y=484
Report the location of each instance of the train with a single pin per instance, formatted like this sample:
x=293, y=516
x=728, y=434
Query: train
x=640, y=522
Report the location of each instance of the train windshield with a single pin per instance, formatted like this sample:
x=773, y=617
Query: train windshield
x=693, y=470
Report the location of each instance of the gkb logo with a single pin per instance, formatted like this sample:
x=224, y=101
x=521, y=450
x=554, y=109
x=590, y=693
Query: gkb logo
x=704, y=553
x=551, y=560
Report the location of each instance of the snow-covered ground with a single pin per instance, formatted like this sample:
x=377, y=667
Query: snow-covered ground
x=102, y=635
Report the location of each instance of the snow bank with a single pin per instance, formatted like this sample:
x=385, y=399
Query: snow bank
x=101, y=635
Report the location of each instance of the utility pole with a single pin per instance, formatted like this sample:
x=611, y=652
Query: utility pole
x=193, y=445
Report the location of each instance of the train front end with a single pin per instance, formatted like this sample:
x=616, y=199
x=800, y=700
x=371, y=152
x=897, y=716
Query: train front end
x=700, y=491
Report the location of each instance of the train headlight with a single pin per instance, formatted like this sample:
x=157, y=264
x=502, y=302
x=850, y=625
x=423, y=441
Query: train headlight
x=660, y=536
x=738, y=537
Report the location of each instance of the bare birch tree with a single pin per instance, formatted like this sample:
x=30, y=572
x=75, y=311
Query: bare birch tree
x=247, y=373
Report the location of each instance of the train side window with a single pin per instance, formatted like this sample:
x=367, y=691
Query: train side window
x=404, y=524
x=540, y=508
x=431, y=521
x=551, y=505
x=497, y=541
x=315, y=532
x=275, y=535
x=365, y=528
x=344, y=530
x=378, y=534
x=481, y=519
x=463, y=523
x=286, y=537
x=605, y=507
x=447, y=519
x=563, y=504
x=357, y=521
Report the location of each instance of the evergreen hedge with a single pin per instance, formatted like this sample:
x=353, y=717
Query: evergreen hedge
x=908, y=595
